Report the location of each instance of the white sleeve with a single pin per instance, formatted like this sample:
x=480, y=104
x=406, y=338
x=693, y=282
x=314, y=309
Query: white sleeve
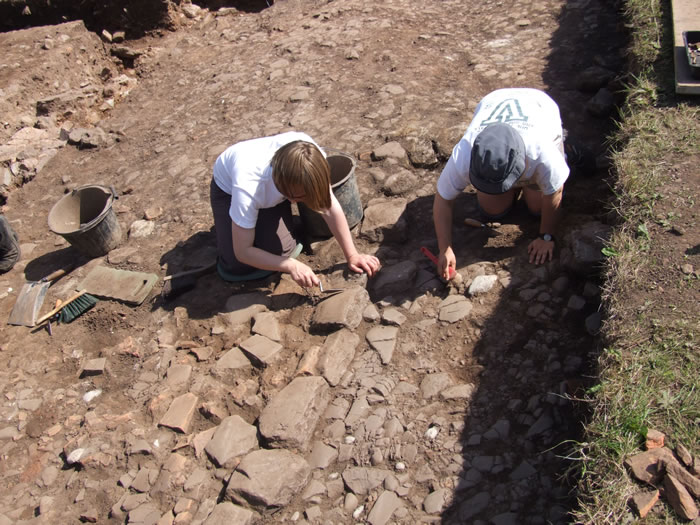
x=243, y=211
x=455, y=176
x=552, y=172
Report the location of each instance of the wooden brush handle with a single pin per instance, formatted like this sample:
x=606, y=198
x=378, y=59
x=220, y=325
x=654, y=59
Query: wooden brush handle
x=60, y=307
x=59, y=273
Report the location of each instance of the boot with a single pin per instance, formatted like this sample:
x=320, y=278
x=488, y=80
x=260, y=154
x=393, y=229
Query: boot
x=580, y=159
x=9, y=246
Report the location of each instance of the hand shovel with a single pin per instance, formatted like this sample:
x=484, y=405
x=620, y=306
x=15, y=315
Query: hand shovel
x=30, y=299
x=478, y=224
x=329, y=290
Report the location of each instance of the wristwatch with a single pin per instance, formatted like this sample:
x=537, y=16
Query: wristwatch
x=547, y=237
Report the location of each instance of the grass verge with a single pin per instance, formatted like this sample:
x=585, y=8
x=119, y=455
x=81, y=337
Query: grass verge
x=649, y=370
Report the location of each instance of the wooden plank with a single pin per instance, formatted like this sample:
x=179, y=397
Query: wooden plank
x=686, y=17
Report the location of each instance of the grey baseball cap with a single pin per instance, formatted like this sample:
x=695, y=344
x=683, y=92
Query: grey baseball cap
x=497, y=159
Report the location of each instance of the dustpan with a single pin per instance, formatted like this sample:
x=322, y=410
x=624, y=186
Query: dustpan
x=121, y=285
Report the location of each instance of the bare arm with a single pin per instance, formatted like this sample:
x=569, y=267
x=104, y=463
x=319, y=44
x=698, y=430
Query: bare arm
x=540, y=250
x=246, y=253
x=442, y=218
x=338, y=224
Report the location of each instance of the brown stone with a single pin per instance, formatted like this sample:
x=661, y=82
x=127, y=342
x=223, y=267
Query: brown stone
x=644, y=466
x=684, y=455
x=674, y=468
x=179, y=415
x=695, y=467
x=655, y=439
x=679, y=498
x=643, y=502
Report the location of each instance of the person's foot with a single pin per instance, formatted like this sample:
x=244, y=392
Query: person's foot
x=580, y=159
x=9, y=246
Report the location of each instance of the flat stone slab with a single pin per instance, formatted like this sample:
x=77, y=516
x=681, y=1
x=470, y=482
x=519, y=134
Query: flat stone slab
x=454, y=308
x=384, y=221
x=322, y=455
x=433, y=384
x=384, y=508
x=233, y=360
x=261, y=350
x=227, y=513
x=463, y=391
x=343, y=310
x=179, y=415
x=383, y=340
x=268, y=478
x=362, y=480
x=395, y=279
x=266, y=324
x=241, y=308
x=337, y=353
x=290, y=418
x=94, y=367
x=233, y=437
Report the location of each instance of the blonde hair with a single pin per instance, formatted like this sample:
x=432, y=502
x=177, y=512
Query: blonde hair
x=300, y=165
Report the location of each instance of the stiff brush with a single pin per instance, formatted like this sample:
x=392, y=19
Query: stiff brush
x=69, y=310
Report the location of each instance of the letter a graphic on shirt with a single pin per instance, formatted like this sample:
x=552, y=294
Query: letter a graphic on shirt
x=506, y=111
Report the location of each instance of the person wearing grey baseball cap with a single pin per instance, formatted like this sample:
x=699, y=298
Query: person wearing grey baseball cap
x=513, y=144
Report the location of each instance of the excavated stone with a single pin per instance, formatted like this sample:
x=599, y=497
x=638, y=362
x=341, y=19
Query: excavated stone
x=343, y=310
x=268, y=478
x=261, y=350
x=179, y=415
x=337, y=353
x=383, y=340
x=395, y=279
x=227, y=513
x=454, y=308
x=233, y=437
x=290, y=418
x=361, y=480
x=383, y=508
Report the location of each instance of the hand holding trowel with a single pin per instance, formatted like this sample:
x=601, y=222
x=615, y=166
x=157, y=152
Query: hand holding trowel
x=31, y=297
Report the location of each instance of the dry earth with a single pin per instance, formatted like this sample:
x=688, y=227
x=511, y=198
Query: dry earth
x=459, y=420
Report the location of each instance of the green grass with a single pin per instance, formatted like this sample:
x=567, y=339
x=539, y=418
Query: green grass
x=649, y=371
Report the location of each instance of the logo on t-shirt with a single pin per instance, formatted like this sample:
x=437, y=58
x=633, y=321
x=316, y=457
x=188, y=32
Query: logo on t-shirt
x=506, y=112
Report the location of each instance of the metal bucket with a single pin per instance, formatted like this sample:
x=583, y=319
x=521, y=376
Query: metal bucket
x=85, y=218
x=344, y=187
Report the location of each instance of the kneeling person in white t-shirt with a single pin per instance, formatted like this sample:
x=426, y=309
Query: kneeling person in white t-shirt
x=254, y=184
x=514, y=142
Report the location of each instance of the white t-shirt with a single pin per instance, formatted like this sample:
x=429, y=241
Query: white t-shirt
x=536, y=117
x=244, y=172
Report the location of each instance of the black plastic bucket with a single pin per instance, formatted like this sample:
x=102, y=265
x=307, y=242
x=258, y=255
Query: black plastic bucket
x=85, y=218
x=344, y=186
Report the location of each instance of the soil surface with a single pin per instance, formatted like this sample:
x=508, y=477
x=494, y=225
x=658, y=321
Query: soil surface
x=355, y=75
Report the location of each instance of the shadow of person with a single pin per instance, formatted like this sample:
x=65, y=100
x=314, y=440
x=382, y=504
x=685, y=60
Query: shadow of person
x=400, y=246
x=202, y=293
x=65, y=258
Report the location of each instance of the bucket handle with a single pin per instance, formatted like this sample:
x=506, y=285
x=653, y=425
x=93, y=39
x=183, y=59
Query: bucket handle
x=89, y=225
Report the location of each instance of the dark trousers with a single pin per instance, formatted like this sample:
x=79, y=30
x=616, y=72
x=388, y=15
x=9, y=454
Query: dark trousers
x=273, y=230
